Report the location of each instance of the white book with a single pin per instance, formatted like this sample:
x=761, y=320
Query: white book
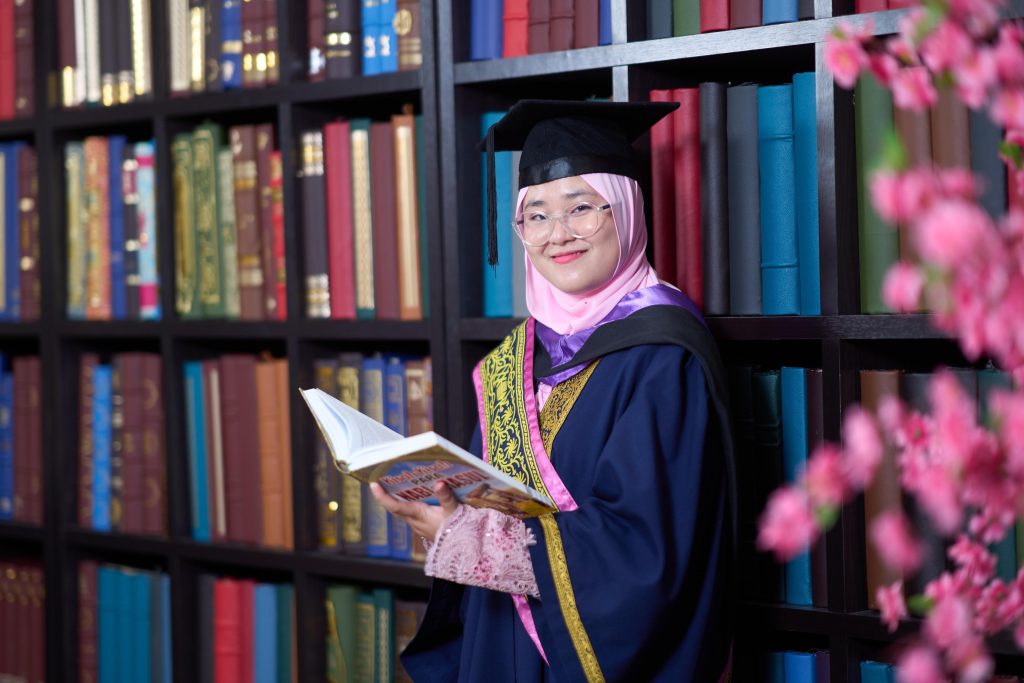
x=408, y=467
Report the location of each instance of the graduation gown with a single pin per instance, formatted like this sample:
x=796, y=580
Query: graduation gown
x=635, y=581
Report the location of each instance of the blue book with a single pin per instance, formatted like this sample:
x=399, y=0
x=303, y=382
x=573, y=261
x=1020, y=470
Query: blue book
x=12, y=241
x=231, y=37
x=877, y=672
x=264, y=644
x=776, y=667
x=376, y=531
x=778, y=11
x=166, y=668
x=421, y=207
x=6, y=442
x=387, y=38
x=395, y=418
x=102, y=398
x=149, y=280
x=115, y=199
x=799, y=667
x=195, y=426
x=370, y=26
x=123, y=622
x=805, y=147
x=106, y=609
x=487, y=31
x=285, y=592
x=604, y=22
x=141, y=626
x=497, y=279
x=794, y=461
x=779, y=265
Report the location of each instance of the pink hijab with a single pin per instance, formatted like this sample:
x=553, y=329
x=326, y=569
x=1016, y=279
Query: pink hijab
x=568, y=313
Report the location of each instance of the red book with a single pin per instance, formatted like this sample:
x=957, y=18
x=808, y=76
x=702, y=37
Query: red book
x=1014, y=191
x=28, y=212
x=714, y=15
x=516, y=22
x=154, y=460
x=24, y=60
x=385, y=222
x=871, y=5
x=338, y=182
x=562, y=23
x=130, y=369
x=87, y=366
x=585, y=31
x=88, y=636
x=901, y=4
x=247, y=620
x=686, y=135
x=539, y=26
x=7, y=59
x=277, y=221
x=227, y=632
x=242, y=491
x=662, y=193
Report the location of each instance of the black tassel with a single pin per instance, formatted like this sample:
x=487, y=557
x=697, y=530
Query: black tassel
x=492, y=201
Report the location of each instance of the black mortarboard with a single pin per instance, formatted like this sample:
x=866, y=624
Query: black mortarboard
x=563, y=138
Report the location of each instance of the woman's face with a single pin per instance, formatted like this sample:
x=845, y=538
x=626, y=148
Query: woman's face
x=573, y=265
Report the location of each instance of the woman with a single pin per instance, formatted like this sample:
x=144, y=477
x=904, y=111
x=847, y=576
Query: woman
x=610, y=399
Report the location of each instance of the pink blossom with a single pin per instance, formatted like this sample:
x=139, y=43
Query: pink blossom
x=950, y=230
x=912, y=88
x=946, y=46
x=919, y=665
x=1008, y=108
x=975, y=75
x=825, y=480
x=1009, y=55
x=958, y=182
x=864, y=448
x=902, y=288
x=886, y=195
x=937, y=493
x=890, y=532
x=1018, y=635
x=787, y=525
x=891, y=604
x=884, y=66
x=949, y=622
x=918, y=189
x=845, y=57
x=977, y=565
x=912, y=26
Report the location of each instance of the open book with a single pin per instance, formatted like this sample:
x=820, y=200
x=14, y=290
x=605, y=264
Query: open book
x=408, y=467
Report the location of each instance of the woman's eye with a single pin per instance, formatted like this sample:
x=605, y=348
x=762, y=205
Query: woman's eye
x=580, y=209
x=537, y=218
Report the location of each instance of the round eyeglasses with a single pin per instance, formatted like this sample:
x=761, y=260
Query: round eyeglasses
x=581, y=220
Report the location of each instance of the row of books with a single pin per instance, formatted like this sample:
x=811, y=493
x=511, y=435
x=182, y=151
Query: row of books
x=21, y=440
x=246, y=631
x=366, y=633
x=111, y=229
x=218, y=45
x=779, y=421
x=105, y=51
x=734, y=197
x=881, y=5
x=23, y=615
x=124, y=624
x=513, y=28
x=885, y=494
x=793, y=666
x=122, y=461
x=667, y=18
x=229, y=224
x=949, y=135
x=240, y=475
x=19, y=232
x=396, y=392
x=17, y=59
x=366, y=37
x=364, y=219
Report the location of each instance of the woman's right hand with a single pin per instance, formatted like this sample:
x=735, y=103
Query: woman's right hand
x=424, y=519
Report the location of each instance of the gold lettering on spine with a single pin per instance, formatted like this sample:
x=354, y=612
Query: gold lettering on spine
x=408, y=233
x=363, y=219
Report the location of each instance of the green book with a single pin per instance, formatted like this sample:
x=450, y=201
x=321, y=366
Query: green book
x=207, y=141
x=366, y=638
x=685, y=17
x=186, y=265
x=879, y=241
x=228, y=233
x=383, y=600
x=341, y=634
x=285, y=614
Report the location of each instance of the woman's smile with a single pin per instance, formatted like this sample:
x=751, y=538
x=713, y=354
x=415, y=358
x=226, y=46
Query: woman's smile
x=568, y=256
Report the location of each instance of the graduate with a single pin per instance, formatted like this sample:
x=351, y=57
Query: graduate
x=611, y=399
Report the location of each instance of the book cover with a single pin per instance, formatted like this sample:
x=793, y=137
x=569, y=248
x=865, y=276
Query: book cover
x=362, y=220
x=341, y=629
x=714, y=199
x=149, y=281
x=315, y=238
x=485, y=33
x=351, y=490
x=247, y=223
x=410, y=299
x=75, y=230
x=195, y=426
x=385, y=230
x=516, y=18
x=102, y=398
x=268, y=258
x=805, y=158
x=28, y=187
x=794, y=462
x=338, y=195
x=228, y=233
x=744, y=201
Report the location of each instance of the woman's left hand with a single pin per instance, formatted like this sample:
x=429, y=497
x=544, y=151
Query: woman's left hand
x=424, y=519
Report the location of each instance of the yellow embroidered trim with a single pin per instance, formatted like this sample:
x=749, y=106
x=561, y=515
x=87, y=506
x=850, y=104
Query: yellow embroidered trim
x=559, y=403
x=567, y=599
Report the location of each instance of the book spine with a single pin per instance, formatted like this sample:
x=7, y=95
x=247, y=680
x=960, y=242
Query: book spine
x=277, y=221
x=253, y=55
x=714, y=200
x=178, y=39
x=343, y=42
x=264, y=150
x=662, y=186
x=687, y=178
x=269, y=455
x=326, y=478
x=116, y=447
x=515, y=22
x=115, y=204
x=12, y=231
x=187, y=251
x=195, y=422
x=250, y=272
x=585, y=30
x=197, y=45
x=154, y=458
x=74, y=185
x=270, y=42
x=408, y=32
x=362, y=220
x=369, y=30
x=338, y=201
x=142, y=48
x=318, y=291
x=24, y=59
x=28, y=186
x=149, y=282
x=130, y=372
x=283, y=390
x=88, y=622
x=497, y=285
x=124, y=76
x=744, y=13
x=371, y=402
x=714, y=15
x=228, y=233
x=421, y=207
x=206, y=143
x=130, y=201
x=231, y=44
x=387, y=40
x=7, y=448
x=316, y=32
x=794, y=461
x=951, y=138
x=352, y=491
x=227, y=631
x=67, y=53
x=685, y=17
x=562, y=24
x=539, y=27
x=408, y=233
x=778, y=11
x=101, y=437
x=485, y=35
x=212, y=45
x=985, y=162
x=805, y=157
x=241, y=482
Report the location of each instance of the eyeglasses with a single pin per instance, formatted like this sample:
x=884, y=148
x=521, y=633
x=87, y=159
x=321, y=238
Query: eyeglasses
x=581, y=220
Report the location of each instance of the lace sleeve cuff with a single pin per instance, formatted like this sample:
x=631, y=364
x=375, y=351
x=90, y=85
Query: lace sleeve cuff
x=484, y=548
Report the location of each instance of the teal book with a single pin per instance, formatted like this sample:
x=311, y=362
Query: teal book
x=384, y=638
x=283, y=633
x=497, y=279
x=124, y=598
x=106, y=609
x=365, y=638
x=195, y=427
x=141, y=626
x=805, y=155
x=877, y=672
x=794, y=461
x=265, y=633
x=767, y=464
x=776, y=667
x=421, y=207
x=778, y=11
x=102, y=437
x=1006, y=550
x=799, y=667
x=780, y=276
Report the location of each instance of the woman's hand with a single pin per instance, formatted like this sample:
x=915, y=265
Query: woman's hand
x=424, y=519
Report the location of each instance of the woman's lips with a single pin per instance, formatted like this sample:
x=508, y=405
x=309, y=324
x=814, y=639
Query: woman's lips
x=567, y=257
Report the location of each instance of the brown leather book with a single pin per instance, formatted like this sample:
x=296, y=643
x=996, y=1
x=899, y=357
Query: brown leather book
x=116, y=448
x=254, y=57
x=951, y=136
x=269, y=427
x=247, y=222
x=538, y=33
x=86, y=366
x=66, y=52
x=283, y=390
x=563, y=22
x=314, y=226
x=884, y=492
x=154, y=460
x=744, y=13
x=416, y=397
x=270, y=41
x=24, y=60
x=316, y=39
x=409, y=32
x=215, y=472
x=385, y=254
x=815, y=437
x=28, y=214
x=130, y=372
x=410, y=295
x=88, y=622
x=242, y=487
x=264, y=147
x=586, y=25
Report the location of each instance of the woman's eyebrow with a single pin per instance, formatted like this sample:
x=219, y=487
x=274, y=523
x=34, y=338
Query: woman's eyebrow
x=573, y=194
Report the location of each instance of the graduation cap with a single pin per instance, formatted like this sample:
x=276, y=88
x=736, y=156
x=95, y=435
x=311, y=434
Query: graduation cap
x=563, y=138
